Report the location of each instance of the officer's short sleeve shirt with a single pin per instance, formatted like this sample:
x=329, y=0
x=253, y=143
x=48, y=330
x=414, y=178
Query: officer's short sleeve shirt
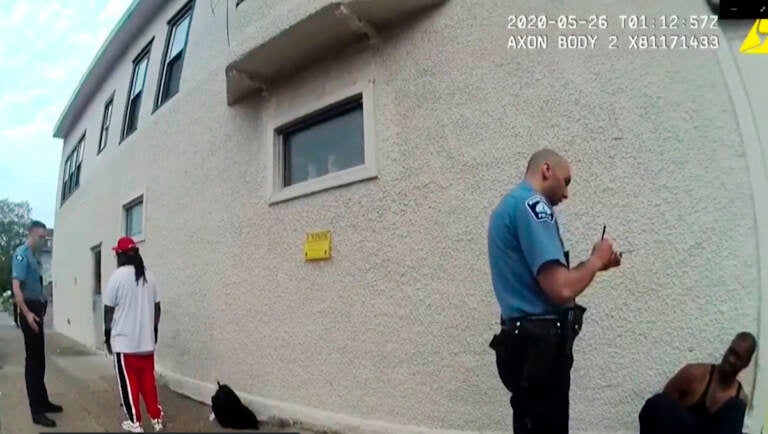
x=523, y=235
x=26, y=268
x=538, y=233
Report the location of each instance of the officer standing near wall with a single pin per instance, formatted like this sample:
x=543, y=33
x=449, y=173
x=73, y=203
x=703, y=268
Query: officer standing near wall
x=536, y=290
x=32, y=306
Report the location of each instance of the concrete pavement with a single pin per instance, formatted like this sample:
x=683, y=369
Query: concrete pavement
x=83, y=382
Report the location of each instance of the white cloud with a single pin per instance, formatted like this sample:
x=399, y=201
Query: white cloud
x=20, y=97
x=19, y=12
x=14, y=60
x=50, y=113
x=56, y=74
x=54, y=10
x=62, y=24
x=114, y=9
x=23, y=132
x=87, y=39
x=41, y=126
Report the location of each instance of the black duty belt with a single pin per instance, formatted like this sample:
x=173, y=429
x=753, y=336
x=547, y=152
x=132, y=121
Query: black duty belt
x=569, y=319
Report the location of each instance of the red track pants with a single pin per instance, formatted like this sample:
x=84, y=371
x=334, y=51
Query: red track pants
x=136, y=378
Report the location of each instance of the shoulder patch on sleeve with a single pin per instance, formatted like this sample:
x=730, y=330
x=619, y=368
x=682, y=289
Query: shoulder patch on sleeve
x=539, y=209
x=19, y=258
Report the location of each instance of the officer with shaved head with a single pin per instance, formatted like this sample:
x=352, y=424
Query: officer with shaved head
x=536, y=288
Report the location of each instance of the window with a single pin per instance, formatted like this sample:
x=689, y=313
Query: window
x=326, y=144
x=71, y=174
x=106, y=120
x=136, y=91
x=134, y=219
x=173, y=58
x=329, y=142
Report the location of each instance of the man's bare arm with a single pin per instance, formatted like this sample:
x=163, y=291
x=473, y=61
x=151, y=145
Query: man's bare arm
x=24, y=310
x=19, y=297
x=678, y=385
x=157, y=318
x=562, y=284
x=109, y=313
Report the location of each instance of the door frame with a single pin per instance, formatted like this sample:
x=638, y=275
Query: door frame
x=96, y=309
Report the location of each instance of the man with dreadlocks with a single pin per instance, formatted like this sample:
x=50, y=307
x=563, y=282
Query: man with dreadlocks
x=131, y=318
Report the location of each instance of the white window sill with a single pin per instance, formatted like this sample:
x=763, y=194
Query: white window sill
x=333, y=180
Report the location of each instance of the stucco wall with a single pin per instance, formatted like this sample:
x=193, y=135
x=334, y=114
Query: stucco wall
x=748, y=93
x=395, y=327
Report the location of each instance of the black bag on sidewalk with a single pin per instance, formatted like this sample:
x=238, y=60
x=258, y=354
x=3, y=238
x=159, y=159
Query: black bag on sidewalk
x=230, y=410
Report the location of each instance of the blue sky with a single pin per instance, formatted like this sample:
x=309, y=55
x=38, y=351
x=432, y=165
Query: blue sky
x=45, y=47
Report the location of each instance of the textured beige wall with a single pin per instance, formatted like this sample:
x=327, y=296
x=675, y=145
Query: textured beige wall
x=395, y=328
x=748, y=94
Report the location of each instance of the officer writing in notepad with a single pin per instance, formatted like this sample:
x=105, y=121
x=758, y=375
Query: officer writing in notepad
x=536, y=288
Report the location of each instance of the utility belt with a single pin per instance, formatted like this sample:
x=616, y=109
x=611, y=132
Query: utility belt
x=567, y=322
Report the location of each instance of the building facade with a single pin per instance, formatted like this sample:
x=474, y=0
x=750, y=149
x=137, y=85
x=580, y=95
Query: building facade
x=46, y=259
x=219, y=134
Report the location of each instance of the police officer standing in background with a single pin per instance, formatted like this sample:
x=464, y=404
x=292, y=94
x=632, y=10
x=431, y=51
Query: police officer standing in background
x=536, y=290
x=32, y=305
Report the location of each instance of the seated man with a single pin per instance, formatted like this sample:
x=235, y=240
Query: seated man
x=702, y=398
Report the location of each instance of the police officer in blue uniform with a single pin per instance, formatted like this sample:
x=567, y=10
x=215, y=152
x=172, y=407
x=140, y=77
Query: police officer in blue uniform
x=536, y=288
x=32, y=305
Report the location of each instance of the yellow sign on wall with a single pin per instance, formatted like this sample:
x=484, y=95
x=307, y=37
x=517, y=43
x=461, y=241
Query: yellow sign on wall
x=317, y=246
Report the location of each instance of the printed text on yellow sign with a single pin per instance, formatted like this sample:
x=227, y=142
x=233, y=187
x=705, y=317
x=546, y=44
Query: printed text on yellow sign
x=317, y=246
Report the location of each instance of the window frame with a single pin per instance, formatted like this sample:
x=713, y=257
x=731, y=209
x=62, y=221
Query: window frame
x=72, y=169
x=110, y=102
x=145, y=52
x=125, y=209
x=313, y=112
x=187, y=10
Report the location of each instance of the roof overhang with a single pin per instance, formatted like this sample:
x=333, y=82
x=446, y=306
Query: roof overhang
x=329, y=29
x=139, y=14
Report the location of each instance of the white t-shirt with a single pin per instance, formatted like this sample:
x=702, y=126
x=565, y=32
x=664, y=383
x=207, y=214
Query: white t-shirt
x=133, y=324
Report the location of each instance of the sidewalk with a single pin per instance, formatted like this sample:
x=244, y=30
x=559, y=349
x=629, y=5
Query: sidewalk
x=83, y=382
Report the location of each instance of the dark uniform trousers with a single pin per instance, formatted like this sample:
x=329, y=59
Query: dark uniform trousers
x=16, y=315
x=534, y=357
x=34, y=363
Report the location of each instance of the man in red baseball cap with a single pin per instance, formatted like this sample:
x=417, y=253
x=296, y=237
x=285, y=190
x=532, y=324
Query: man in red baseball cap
x=131, y=319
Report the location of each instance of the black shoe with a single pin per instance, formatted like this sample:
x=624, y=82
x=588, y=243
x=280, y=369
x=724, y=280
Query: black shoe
x=42, y=419
x=53, y=408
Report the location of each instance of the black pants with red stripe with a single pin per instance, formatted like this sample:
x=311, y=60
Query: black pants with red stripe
x=136, y=380
x=34, y=362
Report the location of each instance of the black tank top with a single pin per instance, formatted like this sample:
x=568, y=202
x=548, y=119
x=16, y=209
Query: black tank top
x=699, y=408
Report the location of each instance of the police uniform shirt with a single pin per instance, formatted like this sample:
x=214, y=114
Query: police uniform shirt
x=27, y=269
x=523, y=235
